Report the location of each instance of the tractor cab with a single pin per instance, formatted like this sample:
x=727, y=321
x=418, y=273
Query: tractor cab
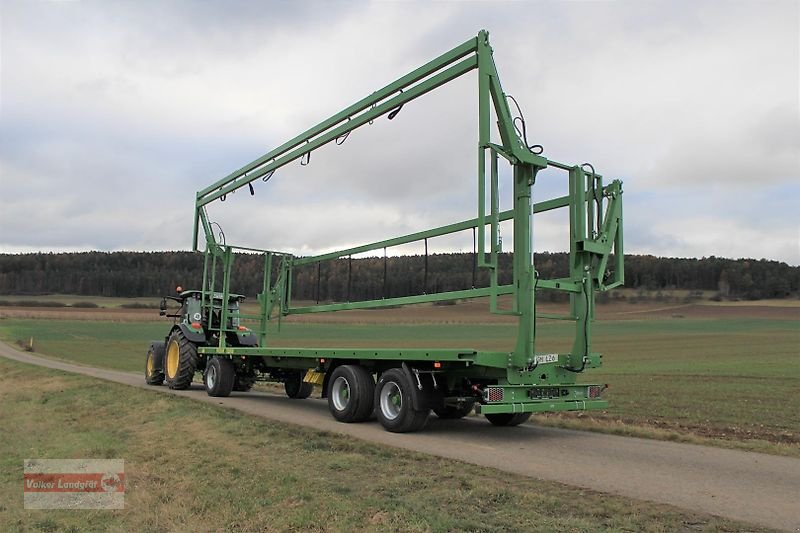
x=195, y=310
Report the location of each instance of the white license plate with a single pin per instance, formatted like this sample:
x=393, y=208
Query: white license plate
x=545, y=358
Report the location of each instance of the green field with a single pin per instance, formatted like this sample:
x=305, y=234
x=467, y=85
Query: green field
x=733, y=381
x=70, y=300
x=191, y=466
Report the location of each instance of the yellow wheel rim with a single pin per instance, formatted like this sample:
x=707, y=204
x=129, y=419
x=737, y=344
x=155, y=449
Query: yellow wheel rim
x=149, y=364
x=173, y=358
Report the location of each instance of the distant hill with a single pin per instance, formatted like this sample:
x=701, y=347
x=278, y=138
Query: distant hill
x=130, y=274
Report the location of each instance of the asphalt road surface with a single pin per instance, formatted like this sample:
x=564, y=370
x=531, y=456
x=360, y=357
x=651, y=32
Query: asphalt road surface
x=752, y=487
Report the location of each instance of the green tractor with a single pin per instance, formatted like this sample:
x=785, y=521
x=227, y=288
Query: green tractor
x=196, y=324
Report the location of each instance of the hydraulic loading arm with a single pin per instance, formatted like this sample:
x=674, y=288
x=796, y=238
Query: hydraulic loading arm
x=476, y=53
x=595, y=213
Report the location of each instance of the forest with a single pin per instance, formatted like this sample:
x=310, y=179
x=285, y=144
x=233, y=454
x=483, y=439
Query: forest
x=137, y=274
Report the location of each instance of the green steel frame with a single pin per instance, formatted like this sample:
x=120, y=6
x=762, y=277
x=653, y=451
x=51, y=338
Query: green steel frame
x=595, y=219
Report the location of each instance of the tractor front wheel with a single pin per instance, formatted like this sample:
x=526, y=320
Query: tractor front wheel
x=154, y=365
x=180, y=361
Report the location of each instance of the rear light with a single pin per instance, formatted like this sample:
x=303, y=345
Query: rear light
x=196, y=325
x=242, y=328
x=493, y=394
x=594, y=391
x=437, y=364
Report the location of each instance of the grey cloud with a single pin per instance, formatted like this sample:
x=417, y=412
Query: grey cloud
x=112, y=115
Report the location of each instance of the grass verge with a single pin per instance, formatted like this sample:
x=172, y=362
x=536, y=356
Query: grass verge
x=197, y=467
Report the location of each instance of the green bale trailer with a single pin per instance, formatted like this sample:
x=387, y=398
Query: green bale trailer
x=402, y=386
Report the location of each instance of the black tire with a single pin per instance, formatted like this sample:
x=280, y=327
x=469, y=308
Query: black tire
x=219, y=376
x=296, y=388
x=507, y=419
x=351, y=393
x=394, y=406
x=243, y=383
x=154, y=364
x=453, y=412
x=180, y=361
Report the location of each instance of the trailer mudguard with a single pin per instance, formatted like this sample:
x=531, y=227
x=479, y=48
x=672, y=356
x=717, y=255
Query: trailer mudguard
x=427, y=394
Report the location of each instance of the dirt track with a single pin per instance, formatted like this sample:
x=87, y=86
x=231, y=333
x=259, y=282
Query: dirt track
x=756, y=488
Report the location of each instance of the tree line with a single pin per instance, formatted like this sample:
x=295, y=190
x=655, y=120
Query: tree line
x=136, y=274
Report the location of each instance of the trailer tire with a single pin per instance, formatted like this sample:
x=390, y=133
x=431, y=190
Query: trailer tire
x=394, y=404
x=453, y=412
x=219, y=377
x=296, y=388
x=180, y=361
x=154, y=364
x=351, y=393
x=507, y=419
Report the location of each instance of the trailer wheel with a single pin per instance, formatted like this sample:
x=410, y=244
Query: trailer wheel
x=507, y=419
x=296, y=388
x=180, y=361
x=351, y=393
x=219, y=377
x=154, y=364
x=453, y=411
x=395, y=410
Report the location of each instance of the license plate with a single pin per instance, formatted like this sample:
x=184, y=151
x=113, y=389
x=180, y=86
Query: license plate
x=545, y=358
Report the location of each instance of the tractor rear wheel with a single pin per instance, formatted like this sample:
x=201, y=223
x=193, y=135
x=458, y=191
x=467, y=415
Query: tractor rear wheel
x=180, y=361
x=154, y=364
x=219, y=377
x=296, y=388
x=508, y=419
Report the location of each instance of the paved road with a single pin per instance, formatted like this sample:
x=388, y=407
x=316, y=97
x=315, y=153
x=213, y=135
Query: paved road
x=752, y=487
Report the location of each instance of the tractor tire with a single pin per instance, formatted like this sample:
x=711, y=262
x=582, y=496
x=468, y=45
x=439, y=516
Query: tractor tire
x=219, y=377
x=154, y=364
x=243, y=383
x=296, y=388
x=508, y=419
x=180, y=361
x=451, y=412
x=351, y=393
x=395, y=410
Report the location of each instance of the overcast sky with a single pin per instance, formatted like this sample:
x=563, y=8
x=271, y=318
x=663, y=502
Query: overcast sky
x=113, y=114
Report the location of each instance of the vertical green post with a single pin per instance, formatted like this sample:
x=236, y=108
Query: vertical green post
x=523, y=265
x=227, y=260
x=205, y=281
x=484, y=137
x=212, y=286
x=580, y=303
x=494, y=219
x=619, y=252
x=266, y=298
